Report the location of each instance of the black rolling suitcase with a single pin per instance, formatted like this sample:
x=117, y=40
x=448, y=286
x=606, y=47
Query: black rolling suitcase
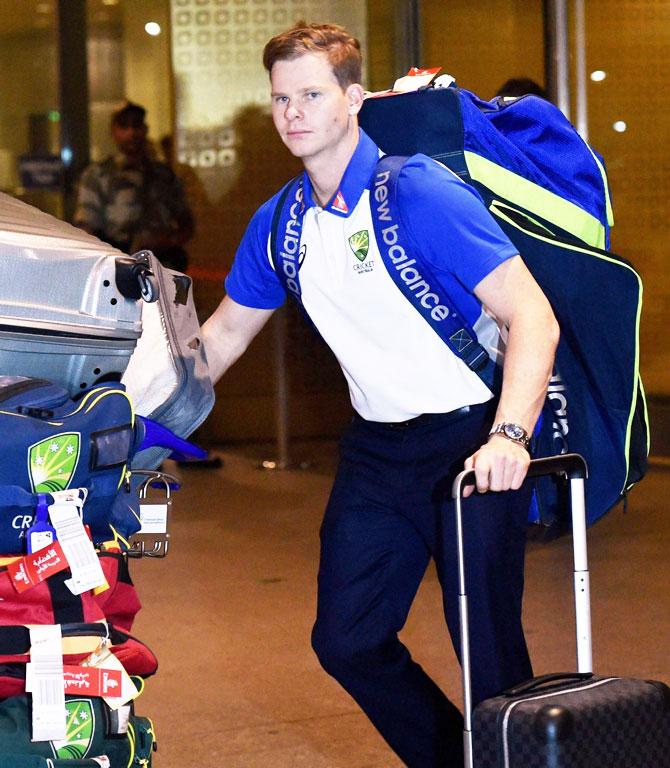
x=565, y=720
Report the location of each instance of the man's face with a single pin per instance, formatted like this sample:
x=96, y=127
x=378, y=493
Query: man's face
x=130, y=136
x=311, y=112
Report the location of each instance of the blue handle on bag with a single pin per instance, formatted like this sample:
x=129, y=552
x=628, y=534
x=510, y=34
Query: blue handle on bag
x=158, y=436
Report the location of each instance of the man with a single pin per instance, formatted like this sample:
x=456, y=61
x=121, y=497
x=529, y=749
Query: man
x=420, y=413
x=131, y=200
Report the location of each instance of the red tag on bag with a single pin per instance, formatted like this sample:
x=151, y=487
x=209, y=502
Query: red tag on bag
x=419, y=71
x=33, y=569
x=91, y=681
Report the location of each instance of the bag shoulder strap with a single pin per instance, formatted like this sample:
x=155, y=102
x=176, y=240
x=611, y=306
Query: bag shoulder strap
x=286, y=221
x=414, y=277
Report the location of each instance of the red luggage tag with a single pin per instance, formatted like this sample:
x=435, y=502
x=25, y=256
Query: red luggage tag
x=92, y=681
x=105, y=661
x=415, y=78
x=83, y=681
x=28, y=571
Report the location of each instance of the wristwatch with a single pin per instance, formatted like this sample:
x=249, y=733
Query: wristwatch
x=514, y=432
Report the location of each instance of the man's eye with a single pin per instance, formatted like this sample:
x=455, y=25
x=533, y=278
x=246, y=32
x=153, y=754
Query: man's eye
x=313, y=94
x=281, y=99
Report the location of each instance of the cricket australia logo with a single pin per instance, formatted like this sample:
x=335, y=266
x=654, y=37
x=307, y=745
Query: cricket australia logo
x=359, y=243
x=52, y=462
x=79, y=730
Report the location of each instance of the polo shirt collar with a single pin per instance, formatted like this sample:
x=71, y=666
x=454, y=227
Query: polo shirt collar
x=355, y=180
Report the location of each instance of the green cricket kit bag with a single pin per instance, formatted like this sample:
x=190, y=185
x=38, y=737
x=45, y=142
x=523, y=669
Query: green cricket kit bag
x=93, y=732
x=547, y=190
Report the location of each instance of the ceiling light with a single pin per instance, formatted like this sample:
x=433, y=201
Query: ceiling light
x=620, y=126
x=152, y=28
x=598, y=75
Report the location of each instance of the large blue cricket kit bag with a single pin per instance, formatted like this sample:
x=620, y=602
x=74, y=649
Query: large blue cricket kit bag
x=547, y=189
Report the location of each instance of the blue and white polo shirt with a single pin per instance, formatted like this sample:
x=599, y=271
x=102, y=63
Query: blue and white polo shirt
x=395, y=364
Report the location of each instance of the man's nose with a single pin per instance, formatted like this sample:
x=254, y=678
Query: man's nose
x=292, y=112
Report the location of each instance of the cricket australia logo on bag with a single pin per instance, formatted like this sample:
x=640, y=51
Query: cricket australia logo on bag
x=52, y=462
x=80, y=728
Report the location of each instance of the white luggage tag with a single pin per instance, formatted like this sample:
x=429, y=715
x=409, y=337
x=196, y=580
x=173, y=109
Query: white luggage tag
x=84, y=563
x=44, y=679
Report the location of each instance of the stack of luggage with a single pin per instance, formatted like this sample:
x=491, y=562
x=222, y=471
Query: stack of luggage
x=71, y=317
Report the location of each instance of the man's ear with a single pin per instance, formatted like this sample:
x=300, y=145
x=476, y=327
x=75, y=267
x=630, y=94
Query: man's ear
x=354, y=94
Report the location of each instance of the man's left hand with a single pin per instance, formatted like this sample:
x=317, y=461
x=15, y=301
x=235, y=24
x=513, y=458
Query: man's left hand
x=500, y=465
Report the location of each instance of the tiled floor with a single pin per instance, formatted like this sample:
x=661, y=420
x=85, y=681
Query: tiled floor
x=229, y=614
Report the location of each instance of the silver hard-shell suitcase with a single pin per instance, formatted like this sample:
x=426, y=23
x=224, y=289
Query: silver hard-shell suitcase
x=167, y=376
x=69, y=303
x=565, y=720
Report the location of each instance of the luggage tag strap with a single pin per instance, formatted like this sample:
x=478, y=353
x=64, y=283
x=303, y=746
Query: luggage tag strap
x=41, y=533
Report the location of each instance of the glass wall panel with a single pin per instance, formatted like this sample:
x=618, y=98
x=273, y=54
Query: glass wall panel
x=628, y=58
x=29, y=116
x=127, y=62
x=225, y=135
x=484, y=45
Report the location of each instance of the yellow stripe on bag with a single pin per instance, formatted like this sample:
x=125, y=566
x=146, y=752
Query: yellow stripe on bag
x=532, y=197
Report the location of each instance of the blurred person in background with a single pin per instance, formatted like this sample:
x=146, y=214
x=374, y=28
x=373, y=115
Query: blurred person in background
x=131, y=200
x=521, y=86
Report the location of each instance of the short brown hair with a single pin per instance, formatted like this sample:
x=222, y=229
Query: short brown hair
x=343, y=50
x=129, y=114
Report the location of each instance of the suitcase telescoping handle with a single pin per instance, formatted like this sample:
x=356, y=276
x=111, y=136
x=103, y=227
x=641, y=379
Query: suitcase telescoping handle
x=574, y=467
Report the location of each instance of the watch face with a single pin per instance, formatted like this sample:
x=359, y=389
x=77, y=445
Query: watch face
x=514, y=431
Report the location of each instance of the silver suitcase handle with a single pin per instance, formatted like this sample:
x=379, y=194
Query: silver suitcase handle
x=573, y=466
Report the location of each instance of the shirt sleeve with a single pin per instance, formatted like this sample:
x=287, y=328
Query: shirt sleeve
x=449, y=222
x=252, y=281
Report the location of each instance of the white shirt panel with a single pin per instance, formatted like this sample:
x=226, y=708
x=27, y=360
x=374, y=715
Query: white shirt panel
x=395, y=364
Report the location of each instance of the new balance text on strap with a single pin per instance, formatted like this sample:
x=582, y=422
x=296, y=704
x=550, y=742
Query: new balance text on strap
x=290, y=243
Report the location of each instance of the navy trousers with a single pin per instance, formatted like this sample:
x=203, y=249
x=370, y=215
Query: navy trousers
x=389, y=513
